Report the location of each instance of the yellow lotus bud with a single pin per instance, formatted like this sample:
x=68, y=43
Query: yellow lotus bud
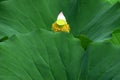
x=60, y=24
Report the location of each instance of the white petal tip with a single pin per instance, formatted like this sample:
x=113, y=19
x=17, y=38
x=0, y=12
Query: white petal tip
x=61, y=16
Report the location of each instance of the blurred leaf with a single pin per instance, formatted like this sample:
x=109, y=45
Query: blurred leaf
x=113, y=1
x=94, y=18
x=103, y=62
x=3, y=38
x=103, y=25
x=116, y=37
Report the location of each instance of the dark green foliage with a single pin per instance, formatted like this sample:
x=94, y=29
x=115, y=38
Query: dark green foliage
x=30, y=50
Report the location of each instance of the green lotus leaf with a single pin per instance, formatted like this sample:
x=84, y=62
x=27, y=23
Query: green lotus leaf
x=101, y=62
x=93, y=18
x=30, y=50
x=39, y=55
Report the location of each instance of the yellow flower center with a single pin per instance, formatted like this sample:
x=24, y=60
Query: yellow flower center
x=61, y=22
x=60, y=26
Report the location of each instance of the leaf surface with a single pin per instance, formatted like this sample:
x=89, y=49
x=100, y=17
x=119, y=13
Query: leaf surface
x=40, y=55
x=101, y=62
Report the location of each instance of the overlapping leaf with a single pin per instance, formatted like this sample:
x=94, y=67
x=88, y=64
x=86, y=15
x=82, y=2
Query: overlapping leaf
x=101, y=62
x=40, y=55
x=44, y=55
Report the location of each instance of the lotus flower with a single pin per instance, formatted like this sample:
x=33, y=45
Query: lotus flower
x=84, y=43
x=61, y=24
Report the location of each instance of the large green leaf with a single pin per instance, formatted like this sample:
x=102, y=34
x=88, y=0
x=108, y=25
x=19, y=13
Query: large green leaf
x=101, y=62
x=94, y=18
x=45, y=55
x=103, y=24
x=40, y=55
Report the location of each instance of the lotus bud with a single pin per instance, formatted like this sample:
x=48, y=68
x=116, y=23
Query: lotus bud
x=60, y=25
